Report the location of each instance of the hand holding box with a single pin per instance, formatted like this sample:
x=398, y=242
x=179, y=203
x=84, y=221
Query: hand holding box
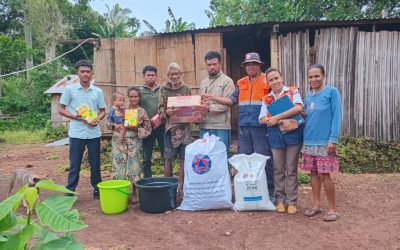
x=185, y=110
x=86, y=113
x=131, y=118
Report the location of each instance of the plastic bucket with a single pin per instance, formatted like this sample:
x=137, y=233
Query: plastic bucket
x=157, y=195
x=114, y=196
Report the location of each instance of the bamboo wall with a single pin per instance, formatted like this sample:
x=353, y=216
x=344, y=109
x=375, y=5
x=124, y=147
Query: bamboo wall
x=335, y=50
x=294, y=58
x=364, y=66
x=118, y=63
x=377, y=85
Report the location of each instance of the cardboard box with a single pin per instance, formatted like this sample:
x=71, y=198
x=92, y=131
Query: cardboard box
x=131, y=118
x=185, y=112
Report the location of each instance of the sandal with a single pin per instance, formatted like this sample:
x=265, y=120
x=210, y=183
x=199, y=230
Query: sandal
x=312, y=212
x=331, y=217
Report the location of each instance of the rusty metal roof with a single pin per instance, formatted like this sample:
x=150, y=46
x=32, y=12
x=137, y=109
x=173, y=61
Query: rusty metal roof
x=61, y=84
x=302, y=23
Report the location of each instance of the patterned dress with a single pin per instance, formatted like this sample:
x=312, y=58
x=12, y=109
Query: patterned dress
x=128, y=165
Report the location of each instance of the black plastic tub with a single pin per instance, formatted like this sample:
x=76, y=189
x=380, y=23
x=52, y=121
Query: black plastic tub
x=157, y=195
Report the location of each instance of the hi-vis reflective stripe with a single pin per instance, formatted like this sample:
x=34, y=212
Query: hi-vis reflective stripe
x=250, y=103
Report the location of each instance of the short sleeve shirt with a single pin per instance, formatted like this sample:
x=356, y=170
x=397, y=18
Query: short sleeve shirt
x=74, y=96
x=296, y=100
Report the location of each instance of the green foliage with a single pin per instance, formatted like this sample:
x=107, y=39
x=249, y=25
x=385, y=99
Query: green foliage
x=11, y=14
x=13, y=54
x=363, y=155
x=22, y=95
x=22, y=231
x=56, y=133
x=177, y=25
x=173, y=24
x=23, y=137
x=227, y=12
x=303, y=178
x=55, y=213
x=48, y=25
x=117, y=24
x=28, y=121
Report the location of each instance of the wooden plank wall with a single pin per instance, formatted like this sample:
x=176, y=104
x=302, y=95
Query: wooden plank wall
x=145, y=54
x=362, y=66
x=205, y=42
x=125, y=62
x=293, y=59
x=104, y=62
x=335, y=50
x=176, y=48
x=377, y=85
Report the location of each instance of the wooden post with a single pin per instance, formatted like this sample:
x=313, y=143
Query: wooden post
x=274, y=50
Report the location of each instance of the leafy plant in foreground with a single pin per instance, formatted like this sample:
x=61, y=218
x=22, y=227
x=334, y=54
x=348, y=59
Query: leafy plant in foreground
x=51, y=230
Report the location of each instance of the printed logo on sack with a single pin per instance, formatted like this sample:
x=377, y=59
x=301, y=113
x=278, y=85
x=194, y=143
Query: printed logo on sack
x=201, y=164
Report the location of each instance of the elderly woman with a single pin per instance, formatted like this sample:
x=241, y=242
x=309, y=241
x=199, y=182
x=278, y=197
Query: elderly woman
x=177, y=136
x=285, y=141
x=321, y=134
x=128, y=165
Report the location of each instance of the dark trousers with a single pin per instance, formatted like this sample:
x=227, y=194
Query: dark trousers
x=76, y=149
x=254, y=140
x=148, y=146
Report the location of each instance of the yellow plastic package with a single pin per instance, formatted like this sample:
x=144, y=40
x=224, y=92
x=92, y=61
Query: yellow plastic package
x=86, y=113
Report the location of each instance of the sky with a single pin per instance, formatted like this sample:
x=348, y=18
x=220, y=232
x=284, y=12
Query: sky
x=156, y=12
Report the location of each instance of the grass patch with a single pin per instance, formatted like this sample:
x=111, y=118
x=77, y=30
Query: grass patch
x=53, y=157
x=23, y=137
x=63, y=167
x=303, y=178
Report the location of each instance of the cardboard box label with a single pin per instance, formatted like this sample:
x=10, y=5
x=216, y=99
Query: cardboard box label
x=185, y=109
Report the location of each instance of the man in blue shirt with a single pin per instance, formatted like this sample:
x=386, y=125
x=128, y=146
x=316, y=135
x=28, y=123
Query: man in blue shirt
x=83, y=132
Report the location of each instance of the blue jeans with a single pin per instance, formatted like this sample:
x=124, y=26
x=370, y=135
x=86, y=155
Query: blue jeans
x=76, y=149
x=253, y=139
x=148, y=146
x=223, y=134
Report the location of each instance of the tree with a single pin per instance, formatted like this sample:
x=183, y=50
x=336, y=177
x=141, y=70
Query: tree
x=173, y=24
x=227, y=12
x=116, y=23
x=48, y=25
x=177, y=25
x=13, y=54
x=11, y=16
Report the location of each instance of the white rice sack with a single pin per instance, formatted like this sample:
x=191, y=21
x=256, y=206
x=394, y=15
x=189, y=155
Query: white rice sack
x=207, y=181
x=251, y=189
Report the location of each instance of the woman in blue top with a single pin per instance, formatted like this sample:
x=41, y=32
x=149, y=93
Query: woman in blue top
x=321, y=134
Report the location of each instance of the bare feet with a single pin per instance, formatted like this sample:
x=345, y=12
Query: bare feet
x=122, y=148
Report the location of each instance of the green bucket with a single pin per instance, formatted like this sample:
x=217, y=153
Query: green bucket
x=114, y=196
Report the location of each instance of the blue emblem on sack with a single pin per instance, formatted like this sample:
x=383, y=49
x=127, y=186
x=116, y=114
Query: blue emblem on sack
x=201, y=164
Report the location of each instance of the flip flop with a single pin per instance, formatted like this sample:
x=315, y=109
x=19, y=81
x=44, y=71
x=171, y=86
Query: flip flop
x=312, y=212
x=331, y=217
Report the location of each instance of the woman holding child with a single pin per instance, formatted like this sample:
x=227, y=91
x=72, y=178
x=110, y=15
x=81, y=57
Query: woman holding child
x=126, y=165
x=285, y=137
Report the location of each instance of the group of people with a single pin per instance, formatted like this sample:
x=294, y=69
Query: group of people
x=279, y=136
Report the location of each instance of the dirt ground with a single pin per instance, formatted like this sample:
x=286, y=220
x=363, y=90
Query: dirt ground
x=369, y=206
